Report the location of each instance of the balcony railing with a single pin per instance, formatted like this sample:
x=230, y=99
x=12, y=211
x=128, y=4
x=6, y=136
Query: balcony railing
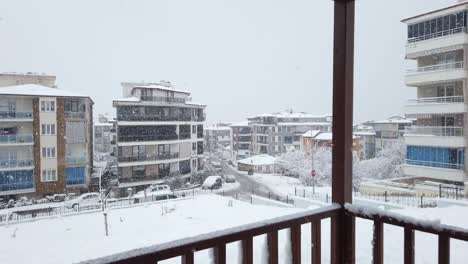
x=436, y=67
x=16, y=186
x=163, y=99
x=75, y=115
x=131, y=138
x=16, y=163
x=16, y=138
x=162, y=156
x=435, y=131
x=438, y=34
x=16, y=115
x=75, y=160
x=453, y=166
x=154, y=118
x=435, y=100
x=185, y=135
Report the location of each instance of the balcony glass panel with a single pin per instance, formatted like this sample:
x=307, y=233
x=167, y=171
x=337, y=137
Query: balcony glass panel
x=448, y=158
x=15, y=115
x=75, y=175
x=16, y=163
x=16, y=138
x=16, y=180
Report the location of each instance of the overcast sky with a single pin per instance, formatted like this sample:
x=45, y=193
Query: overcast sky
x=240, y=57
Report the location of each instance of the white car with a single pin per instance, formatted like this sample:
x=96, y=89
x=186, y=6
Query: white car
x=86, y=200
x=212, y=182
x=154, y=190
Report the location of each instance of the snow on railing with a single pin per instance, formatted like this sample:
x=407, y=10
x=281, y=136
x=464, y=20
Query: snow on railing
x=441, y=131
x=441, y=99
x=436, y=67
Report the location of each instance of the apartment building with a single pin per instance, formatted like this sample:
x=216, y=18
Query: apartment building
x=389, y=131
x=159, y=134
x=103, y=134
x=241, y=140
x=275, y=133
x=437, y=44
x=218, y=136
x=45, y=140
x=15, y=78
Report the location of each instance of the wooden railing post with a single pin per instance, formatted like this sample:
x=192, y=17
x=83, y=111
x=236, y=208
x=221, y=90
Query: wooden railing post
x=187, y=258
x=378, y=242
x=272, y=240
x=342, y=226
x=220, y=254
x=444, y=249
x=247, y=251
x=409, y=245
x=296, y=244
x=316, y=230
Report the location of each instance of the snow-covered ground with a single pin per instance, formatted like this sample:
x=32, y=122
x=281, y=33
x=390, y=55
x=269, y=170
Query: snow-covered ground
x=82, y=237
x=284, y=185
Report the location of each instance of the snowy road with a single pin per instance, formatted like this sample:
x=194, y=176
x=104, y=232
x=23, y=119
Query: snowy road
x=247, y=185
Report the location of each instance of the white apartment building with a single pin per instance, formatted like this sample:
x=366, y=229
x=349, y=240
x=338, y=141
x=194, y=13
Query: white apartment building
x=241, y=140
x=218, y=136
x=159, y=134
x=103, y=133
x=45, y=140
x=437, y=44
x=15, y=78
x=389, y=131
x=275, y=133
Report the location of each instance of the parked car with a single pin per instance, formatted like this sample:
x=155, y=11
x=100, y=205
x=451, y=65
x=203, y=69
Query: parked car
x=56, y=197
x=159, y=197
x=230, y=178
x=212, y=182
x=86, y=200
x=155, y=190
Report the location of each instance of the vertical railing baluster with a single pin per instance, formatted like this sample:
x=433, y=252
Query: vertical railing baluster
x=444, y=249
x=378, y=242
x=272, y=240
x=220, y=254
x=295, y=237
x=409, y=245
x=187, y=258
x=316, y=230
x=247, y=251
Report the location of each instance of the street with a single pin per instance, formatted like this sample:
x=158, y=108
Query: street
x=247, y=185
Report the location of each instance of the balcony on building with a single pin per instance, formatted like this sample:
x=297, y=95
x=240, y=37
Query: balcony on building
x=16, y=181
x=437, y=33
x=15, y=109
x=14, y=139
x=158, y=156
x=147, y=133
x=75, y=175
x=12, y=164
x=76, y=108
x=153, y=113
x=441, y=67
x=439, y=98
x=75, y=160
x=11, y=116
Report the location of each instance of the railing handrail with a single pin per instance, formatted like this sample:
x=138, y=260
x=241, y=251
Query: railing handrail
x=196, y=243
x=437, y=67
x=434, y=164
x=445, y=131
x=448, y=32
x=162, y=156
x=433, y=227
x=441, y=99
x=15, y=115
x=16, y=162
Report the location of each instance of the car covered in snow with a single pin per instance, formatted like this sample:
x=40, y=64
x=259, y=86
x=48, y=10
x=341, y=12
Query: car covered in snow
x=230, y=178
x=86, y=200
x=154, y=192
x=212, y=182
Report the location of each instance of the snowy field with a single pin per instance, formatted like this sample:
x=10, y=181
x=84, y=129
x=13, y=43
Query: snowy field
x=82, y=237
x=285, y=185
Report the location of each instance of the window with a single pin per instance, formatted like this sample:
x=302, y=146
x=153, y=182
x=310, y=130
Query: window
x=48, y=175
x=194, y=129
x=48, y=152
x=47, y=129
x=47, y=106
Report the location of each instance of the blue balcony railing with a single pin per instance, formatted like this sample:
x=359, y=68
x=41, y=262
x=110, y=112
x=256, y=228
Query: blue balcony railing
x=15, y=115
x=15, y=163
x=16, y=138
x=75, y=160
x=453, y=166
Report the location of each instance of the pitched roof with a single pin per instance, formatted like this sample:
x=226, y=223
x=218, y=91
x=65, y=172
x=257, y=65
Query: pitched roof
x=37, y=90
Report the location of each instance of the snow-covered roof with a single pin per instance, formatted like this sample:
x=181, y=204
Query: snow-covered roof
x=364, y=133
x=393, y=120
x=304, y=124
x=216, y=127
x=194, y=103
x=102, y=124
x=327, y=136
x=288, y=114
x=37, y=90
x=240, y=124
x=311, y=133
x=128, y=99
x=258, y=160
x=161, y=87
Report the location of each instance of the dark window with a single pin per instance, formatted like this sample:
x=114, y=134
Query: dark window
x=446, y=25
x=433, y=26
x=453, y=21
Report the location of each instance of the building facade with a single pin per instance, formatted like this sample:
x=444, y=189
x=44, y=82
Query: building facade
x=218, y=136
x=437, y=44
x=241, y=140
x=276, y=133
x=103, y=135
x=45, y=140
x=389, y=131
x=159, y=134
x=14, y=78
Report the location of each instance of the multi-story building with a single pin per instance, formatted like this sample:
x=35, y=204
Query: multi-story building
x=275, y=133
x=103, y=135
x=45, y=140
x=218, y=136
x=159, y=134
x=14, y=78
x=241, y=140
x=389, y=131
x=437, y=43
